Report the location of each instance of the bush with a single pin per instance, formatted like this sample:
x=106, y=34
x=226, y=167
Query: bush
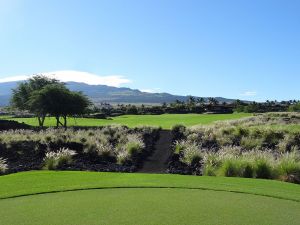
x=122, y=157
x=3, y=166
x=230, y=168
x=251, y=143
x=179, y=146
x=209, y=170
x=295, y=108
x=104, y=149
x=56, y=160
x=134, y=144
x=211, y=163
x=289, y=167
x=178, y=131
x=248, y=170
x=263, y=169
x=191, y=154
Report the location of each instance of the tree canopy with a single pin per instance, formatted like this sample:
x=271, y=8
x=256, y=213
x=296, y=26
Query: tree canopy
x=44, y=96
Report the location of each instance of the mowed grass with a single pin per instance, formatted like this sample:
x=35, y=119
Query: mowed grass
x=148, y=206
x=166, y=121
x=115, y=198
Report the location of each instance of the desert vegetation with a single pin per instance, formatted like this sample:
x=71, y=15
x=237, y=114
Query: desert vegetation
x=110, y=148
x=258, y=147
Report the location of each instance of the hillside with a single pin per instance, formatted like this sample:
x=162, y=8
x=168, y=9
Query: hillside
x=104, y=93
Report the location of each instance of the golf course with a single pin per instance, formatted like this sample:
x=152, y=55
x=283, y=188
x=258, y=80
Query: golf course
x=149, y=112
x=112, y=198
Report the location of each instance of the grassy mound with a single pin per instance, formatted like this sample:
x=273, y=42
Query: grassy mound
x=265, y=146
x=114, y=198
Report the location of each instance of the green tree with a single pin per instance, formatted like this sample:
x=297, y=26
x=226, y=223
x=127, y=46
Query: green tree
x=295, y=107
x=201, y=101
x=213, y=101
x=23, y=92
x=58, y=101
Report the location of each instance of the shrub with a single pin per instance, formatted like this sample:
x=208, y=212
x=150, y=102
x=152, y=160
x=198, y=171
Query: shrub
x=191, y=154
x=56, y=160
x=290, y=141
x=211, y=161
x=248, y=170
x=122, y=157
x=104, y=149
x=289, y=167
x=271, y=138
x=230, y=168
x=263, y=169
x=179, y=146
x=133, y=148
x=178, y=131
x=134, y=144
x=209, y=170
x=251, y=143
x=3, y=166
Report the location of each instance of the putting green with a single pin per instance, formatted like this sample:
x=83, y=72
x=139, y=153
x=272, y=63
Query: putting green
x=88, y=198
x=147, y=206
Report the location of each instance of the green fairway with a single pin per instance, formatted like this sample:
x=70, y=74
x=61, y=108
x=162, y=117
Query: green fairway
x=166, y=121
x=119, y=198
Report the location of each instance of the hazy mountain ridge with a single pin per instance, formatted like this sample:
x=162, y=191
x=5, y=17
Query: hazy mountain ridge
x=104, y=93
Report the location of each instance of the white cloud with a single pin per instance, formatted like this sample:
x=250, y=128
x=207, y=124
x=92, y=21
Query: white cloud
x=147, y=90
x=249, y=93
x=77, y=76
x=14, y=78
x=155, y=90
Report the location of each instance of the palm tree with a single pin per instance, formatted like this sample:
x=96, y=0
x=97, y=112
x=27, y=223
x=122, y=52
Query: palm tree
x=213, y=101
x=201, y=101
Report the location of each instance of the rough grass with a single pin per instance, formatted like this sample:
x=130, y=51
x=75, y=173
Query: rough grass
x=116, y=198
x=285, y=127
x=166, y=121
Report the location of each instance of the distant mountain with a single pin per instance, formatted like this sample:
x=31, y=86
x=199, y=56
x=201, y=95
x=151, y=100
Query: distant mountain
x=103, y=93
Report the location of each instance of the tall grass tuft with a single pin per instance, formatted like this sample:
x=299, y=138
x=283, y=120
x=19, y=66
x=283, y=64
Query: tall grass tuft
x=3, y=166
x=288, y=167
x=56, y=160
x=191, y=154
x=134, y=144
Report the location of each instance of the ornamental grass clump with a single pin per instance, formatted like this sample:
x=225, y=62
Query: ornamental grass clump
x=178, y=131
x=3, y=166
x=179, y=146
x=104, y=149
x=191, y=154
x=122, y=157
x=56, y=160
x=134, y=144
x=288, y=167
x=128, y=147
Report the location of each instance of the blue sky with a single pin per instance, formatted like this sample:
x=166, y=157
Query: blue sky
x=235, y=49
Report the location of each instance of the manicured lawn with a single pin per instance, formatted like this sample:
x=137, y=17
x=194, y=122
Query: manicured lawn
x=166, y=121
x=115, y=198
x=147, y=206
